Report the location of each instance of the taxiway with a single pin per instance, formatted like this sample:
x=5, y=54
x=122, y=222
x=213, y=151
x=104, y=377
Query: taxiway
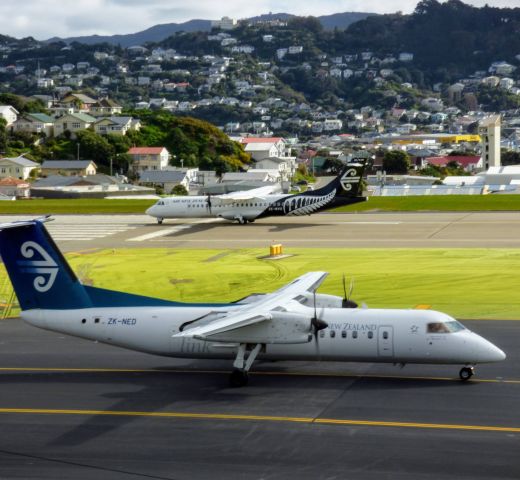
x=72, y=408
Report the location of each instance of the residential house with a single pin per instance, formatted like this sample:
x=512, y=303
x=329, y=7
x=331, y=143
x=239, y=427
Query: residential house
x=105, y=107
x=167, y=179
x=35, y=123
x=73, y=122
x=284, y=166
x=116, y=125
x=468, y=163
x=91, y=186
x=69, y=167
x=78, y=101
x=264, y=147
x=149, y=158
x=18, y=167
x=9, y=114
x=14, y=187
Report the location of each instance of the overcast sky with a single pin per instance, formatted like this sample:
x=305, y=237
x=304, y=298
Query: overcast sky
x=43, y=19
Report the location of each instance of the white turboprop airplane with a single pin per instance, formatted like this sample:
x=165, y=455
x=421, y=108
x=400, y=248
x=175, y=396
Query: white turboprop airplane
x=292, y=323
x=246, y=206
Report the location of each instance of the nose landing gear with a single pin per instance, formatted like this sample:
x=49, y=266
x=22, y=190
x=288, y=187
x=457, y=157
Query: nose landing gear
x=466, y=373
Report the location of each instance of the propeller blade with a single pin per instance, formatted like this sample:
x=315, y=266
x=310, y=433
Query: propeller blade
x=346, y=302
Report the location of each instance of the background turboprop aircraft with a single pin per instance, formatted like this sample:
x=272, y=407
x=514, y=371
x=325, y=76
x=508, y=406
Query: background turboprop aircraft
x=292, y=323
x=247, y=206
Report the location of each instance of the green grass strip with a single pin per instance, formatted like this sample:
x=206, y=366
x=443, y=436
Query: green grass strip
x=475, y=283
x=385, y=204
x=74, y=206
x=442, y=203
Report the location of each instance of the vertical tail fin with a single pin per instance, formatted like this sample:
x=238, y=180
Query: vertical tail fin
x=346, y=184
x=40, y=275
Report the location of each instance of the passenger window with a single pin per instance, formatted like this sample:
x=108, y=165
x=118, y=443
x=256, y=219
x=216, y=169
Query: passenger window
x=332, y=333
x=354, y=334
x=343, y=334
x=322, y=334
x=385, y=335
x=370, y=334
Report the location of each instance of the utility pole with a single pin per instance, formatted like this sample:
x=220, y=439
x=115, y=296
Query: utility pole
x=77, y=155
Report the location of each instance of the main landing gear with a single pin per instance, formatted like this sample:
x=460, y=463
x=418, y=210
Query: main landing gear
x=466, y=373
x=240, y=374
x=240, y=219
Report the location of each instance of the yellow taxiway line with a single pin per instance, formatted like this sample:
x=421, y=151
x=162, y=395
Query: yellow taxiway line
x=262, y=418
x=259, y=372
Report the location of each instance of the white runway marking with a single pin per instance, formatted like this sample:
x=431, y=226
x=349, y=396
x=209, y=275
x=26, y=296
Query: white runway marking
x=364, y=223
x=63, y=232
x=167, y=231
x=159, y=233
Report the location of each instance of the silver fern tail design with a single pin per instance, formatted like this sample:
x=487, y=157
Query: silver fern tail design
x=305, y=205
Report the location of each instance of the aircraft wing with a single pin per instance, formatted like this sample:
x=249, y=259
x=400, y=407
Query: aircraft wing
x=268, y=308
x=246, y=195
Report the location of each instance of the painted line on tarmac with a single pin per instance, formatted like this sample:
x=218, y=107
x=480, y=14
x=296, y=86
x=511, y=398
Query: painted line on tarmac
x=160, y=233
x=257, y=373
x=262, y=418
x=175, y=229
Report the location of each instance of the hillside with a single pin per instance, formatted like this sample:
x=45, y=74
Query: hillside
x=158, y=33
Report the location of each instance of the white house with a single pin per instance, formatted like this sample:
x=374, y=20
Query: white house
x=18, y=167
x=35, y=123
x=9, y=114
x=149, y=158
x=73, y=122
x=264, y=147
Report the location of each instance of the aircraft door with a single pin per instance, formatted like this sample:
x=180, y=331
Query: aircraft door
x=385, y=341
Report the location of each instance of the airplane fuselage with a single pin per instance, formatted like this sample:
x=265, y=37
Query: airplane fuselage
x=361, y=335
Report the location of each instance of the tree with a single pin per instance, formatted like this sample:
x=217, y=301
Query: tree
x=3, y=136
x=95, y=147
x=510, y=158
x=179, y=190
x=396, y=162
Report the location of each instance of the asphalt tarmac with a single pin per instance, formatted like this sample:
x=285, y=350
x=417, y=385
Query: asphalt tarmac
x=72, y=408
x=326, y=230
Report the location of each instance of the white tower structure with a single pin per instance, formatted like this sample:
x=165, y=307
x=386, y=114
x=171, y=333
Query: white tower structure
x=489, y=131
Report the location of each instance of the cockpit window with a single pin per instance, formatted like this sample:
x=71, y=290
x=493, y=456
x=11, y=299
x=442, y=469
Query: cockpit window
x=160, y=202
x=445, y=327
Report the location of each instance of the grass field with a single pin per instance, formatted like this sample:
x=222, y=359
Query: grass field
x=74, y=206
x=442, y=203
x=388, y=204
x=466, y=283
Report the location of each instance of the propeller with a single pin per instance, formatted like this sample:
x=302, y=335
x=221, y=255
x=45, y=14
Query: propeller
x=346, y=302
x=317, y=325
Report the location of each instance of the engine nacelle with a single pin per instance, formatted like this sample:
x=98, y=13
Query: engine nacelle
x=322, y=300
x=282, y=328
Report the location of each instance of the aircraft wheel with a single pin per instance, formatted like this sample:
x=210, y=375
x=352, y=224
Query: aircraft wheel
x=160, y=220
x=466, y=373
x=238, y=378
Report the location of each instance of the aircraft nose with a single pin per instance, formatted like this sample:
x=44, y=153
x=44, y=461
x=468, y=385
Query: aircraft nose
x=491, y=353
x=149, y=211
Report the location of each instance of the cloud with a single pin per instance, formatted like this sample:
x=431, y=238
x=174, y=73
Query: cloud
x=43, y=19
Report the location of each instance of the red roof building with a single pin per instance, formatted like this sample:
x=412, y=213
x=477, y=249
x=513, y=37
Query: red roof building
x=468, y=163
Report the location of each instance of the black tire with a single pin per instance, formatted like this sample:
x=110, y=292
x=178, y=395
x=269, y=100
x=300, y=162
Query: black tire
x=466, y=373
x=159, y=221
x=238, y=378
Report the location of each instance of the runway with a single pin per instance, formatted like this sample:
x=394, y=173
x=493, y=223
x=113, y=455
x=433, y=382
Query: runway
x=327, y=230
x=72, y=408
